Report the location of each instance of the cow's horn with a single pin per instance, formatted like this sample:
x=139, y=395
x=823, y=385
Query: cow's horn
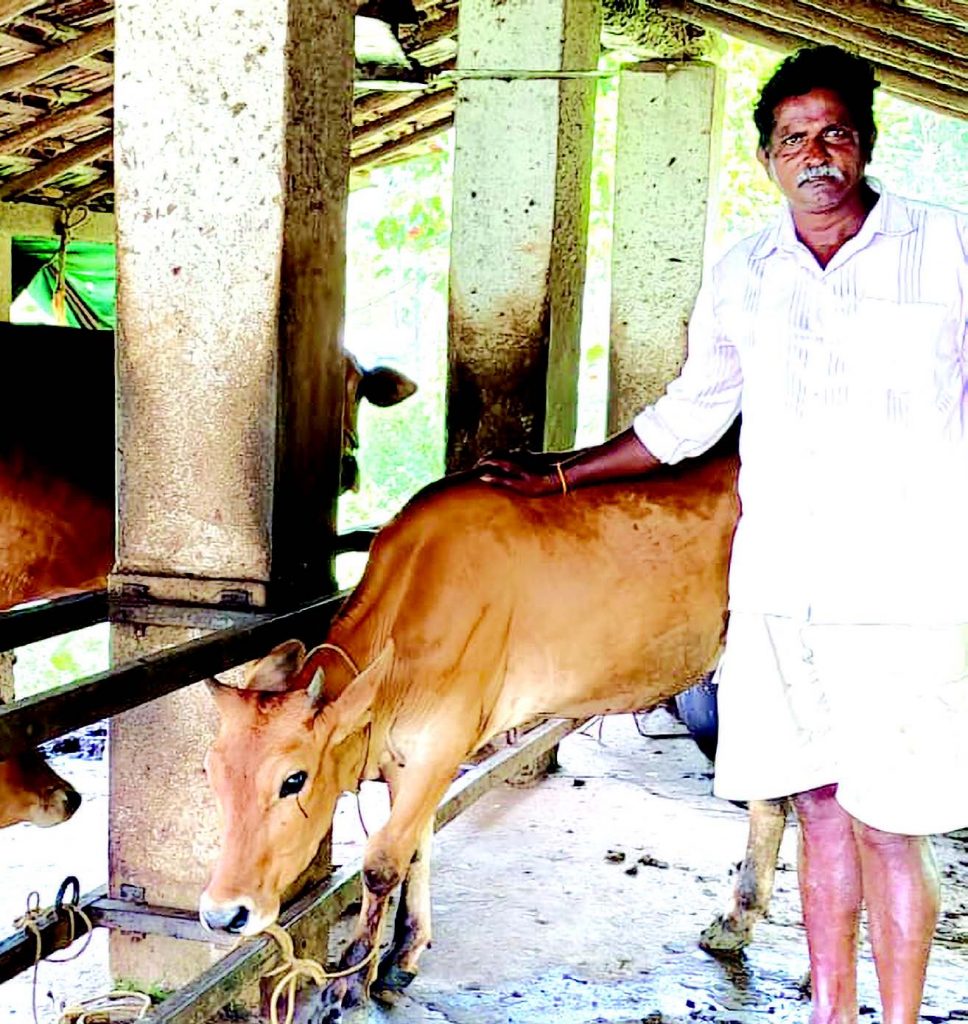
x=317, y=687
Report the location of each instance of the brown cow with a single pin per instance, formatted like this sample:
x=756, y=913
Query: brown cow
x=479, y=610
x=30, y=790
x=57, y=456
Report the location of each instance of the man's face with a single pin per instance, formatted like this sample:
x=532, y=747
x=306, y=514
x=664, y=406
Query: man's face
x=815, y=156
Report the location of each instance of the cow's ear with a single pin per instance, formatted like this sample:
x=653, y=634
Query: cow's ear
x=222, y=694
x=353, y=709
x=278, y=671
x=384, y=386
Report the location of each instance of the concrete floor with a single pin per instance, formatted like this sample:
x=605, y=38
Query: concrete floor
x=580, y=899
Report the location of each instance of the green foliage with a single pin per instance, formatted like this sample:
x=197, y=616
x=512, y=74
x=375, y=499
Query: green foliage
x=61, y=659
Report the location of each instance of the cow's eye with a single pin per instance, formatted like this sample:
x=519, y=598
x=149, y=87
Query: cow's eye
x=292, y=785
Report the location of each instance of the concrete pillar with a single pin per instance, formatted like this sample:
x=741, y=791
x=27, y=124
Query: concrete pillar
x=8, y=692
x=667, y=141
x=231, y=166
x=520, y=215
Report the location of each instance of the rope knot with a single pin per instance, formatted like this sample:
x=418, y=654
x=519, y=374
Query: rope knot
x=293, y=968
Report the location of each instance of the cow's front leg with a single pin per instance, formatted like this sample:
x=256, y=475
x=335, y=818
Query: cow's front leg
x=388, y=857
x=412, y=929
x=732, y=931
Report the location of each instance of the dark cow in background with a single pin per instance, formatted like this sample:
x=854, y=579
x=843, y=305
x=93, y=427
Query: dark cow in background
x=479, y=609
x=57, y=455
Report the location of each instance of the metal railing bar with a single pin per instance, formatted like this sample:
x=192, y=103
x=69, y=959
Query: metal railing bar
x=24, y=626
x=34, y=720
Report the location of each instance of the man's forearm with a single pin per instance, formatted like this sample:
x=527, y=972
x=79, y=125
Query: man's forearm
x=623, y=455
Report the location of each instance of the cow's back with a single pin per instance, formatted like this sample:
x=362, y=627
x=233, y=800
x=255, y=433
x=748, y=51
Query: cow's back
x=56, y=461
x=608, y=598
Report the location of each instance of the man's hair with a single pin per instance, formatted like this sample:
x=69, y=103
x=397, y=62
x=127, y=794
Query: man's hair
x=821, y=67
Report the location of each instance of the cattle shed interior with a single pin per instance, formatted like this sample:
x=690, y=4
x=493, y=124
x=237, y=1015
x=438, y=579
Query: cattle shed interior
x=217, y=143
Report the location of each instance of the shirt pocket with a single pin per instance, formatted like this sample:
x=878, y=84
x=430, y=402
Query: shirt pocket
x=902, y=363
x=900, y=351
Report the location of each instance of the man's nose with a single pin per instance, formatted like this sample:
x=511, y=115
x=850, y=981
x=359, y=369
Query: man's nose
x=817, y=149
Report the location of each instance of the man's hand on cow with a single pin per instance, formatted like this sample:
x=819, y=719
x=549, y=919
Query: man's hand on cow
x=532, y=474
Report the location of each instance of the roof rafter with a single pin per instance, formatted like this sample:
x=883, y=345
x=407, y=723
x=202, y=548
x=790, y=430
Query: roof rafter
x=729, y=18
x=34, y=69
x=85, y=153
x=62, y=119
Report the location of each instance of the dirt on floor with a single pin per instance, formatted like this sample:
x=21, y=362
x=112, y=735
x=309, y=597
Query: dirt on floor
x=579, y=900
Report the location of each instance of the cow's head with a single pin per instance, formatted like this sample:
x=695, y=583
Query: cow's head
x=383, y=387
x=30, y=790
x=284, y=752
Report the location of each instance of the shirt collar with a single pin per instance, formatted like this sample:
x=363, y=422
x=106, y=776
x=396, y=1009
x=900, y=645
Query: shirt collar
x=888, y=217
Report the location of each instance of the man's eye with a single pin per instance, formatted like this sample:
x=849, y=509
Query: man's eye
x=791, y=141
x=292, y=785
x=837, y=133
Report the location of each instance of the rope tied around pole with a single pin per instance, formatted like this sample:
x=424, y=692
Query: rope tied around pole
x=293, y=968
x=29, y=922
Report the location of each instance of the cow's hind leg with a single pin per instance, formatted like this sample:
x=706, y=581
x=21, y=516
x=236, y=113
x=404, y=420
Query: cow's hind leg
x=412, y=927
x=731, y=932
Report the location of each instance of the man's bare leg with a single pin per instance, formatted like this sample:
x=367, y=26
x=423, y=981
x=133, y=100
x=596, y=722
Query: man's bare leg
x=830, y=891
x=901, y=892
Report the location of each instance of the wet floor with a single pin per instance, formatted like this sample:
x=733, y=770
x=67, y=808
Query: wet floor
x=580, y=900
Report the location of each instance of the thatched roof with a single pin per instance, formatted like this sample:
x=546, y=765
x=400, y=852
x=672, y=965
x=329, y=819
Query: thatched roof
x=56, y=72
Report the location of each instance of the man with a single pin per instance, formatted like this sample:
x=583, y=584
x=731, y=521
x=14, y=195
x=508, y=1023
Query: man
x=840, y=332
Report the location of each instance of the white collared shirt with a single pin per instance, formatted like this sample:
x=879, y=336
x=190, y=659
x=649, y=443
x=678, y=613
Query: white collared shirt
x=852, y=380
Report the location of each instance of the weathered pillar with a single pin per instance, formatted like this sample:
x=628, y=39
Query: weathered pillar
x=231, y=164
x=667, y=141
x=520, y=216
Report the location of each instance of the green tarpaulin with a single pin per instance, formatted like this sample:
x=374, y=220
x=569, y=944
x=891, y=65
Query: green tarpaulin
x=89, y=272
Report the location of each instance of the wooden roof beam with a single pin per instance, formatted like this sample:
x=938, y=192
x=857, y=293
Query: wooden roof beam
x=951, y=102
x=402, y=143
x=948, y=39
x=794, y=17
x=98, y=187
x=64, y=119
x=85, y=153
x=12, y=9
x=15, y=76
x=398, y=118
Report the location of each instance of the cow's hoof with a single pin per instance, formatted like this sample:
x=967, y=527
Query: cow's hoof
x=725, y=937
x=390, y=982
x=315, y=1005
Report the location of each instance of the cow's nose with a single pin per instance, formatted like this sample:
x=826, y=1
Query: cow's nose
x=72, y=801
x=226, y=919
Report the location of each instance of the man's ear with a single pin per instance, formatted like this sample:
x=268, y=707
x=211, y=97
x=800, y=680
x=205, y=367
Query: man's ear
x=353, y=709
x=278, y=671
x=764, y=158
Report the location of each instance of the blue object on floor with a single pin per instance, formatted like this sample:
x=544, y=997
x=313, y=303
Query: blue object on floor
x=697, y=712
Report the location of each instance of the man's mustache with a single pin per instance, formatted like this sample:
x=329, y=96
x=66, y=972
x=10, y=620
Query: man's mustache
x=824, y=171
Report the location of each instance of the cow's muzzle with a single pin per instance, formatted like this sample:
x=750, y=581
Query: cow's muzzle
x=237, y=917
